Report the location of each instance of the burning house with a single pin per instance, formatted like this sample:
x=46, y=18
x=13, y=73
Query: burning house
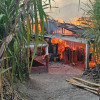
x=66, y=44
x=69, y=43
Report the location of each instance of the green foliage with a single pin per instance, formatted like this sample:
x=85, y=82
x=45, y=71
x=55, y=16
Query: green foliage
x=93, y=22
x=1, y=16
x=5, y=70
x=13, y=14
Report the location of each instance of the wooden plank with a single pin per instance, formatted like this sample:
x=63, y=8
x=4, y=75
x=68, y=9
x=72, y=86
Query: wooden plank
x=74, y=82
x=82, y=80
x=80, y=85
x=87, y=56
x=95, y=92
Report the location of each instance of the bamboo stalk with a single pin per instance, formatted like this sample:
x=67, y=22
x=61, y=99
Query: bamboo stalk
x=7, y=65
x=74, y=82
x=91, y=83
x=1, y=76
x=8, y=39
x=28, y=37
x=90, y=89
x=28, y=51
x=95, y=92
x=1, y=85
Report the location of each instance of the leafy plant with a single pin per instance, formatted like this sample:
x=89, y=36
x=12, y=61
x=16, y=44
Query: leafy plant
x=5, y=70
x=16, y=19
x=93, y=22
x=14, y=14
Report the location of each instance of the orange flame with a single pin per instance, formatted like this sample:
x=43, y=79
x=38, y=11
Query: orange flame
x=62, y=44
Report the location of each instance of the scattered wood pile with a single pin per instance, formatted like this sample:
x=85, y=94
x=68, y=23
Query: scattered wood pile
x=84, y=84
x=93, y=73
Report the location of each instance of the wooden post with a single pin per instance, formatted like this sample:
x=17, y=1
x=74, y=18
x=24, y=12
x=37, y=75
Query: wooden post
x=87, y=56
x=47, y=56
x=62, y=31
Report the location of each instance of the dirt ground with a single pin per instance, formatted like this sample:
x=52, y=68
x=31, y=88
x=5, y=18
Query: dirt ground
x=45, y=86
x=61, y=68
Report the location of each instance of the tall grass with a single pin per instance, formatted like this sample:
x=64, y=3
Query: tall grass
x=16, y=36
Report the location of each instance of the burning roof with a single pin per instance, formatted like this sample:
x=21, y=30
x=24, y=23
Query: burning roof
x=66, y=31
x=54, y=25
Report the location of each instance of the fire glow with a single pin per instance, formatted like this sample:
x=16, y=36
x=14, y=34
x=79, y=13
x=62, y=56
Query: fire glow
x=62, y=44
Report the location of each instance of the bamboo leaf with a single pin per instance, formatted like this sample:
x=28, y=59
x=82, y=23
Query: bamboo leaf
x=1, y=16
x=5, y=70
x=15, y=46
